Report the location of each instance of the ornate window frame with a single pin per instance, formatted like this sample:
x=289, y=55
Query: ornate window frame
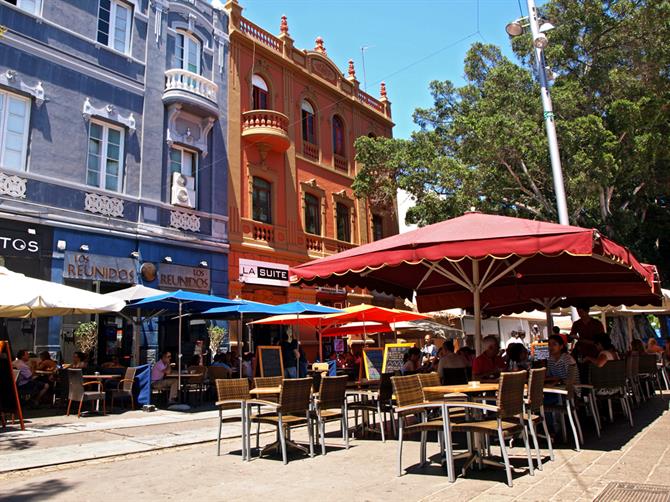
x=312, y=187
x=342, y=197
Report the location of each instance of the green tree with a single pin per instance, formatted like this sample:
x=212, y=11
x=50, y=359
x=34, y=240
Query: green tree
x=484, y=144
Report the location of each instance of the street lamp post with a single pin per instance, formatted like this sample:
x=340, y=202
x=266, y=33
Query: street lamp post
x=540, y=41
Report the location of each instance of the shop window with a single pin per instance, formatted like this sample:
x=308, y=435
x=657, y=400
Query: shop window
x=338, y=136
x=307, y=115
x=14, y=121
x=183, y=161
x=115, y=24
x=312, y=214
x=187, y=51
x=260, y=93
x=31, y=6
x=262, y=200
x=343, y=222
x=104, y=168
x=377, y=227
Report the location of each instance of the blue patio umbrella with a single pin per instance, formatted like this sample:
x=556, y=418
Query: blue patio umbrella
x=182, y=302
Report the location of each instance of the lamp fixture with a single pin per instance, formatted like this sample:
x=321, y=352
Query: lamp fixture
x=167, y=259
x=546, y=26
x=84, y=248
x=204, y=264
x=135, y=254
x=61, y=245
x=540, y=41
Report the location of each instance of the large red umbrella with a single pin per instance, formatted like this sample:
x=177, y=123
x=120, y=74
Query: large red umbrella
x=479, y=260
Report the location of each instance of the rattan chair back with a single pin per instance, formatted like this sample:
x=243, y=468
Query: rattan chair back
x=429, y=379
x=611, y=376
x=332, y=392
x=385, y=388
x=75, y=384
x=232, y=389
x=274, y=381
x=536, y=388
x=128, y=379
x=295, y=396
x=407, y=390
x=510, y=394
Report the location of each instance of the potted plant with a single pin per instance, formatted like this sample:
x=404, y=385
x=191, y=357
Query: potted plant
x=216, y=335
x=86, y=337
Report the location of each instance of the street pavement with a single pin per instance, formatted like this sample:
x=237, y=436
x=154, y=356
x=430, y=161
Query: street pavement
x=165, y=465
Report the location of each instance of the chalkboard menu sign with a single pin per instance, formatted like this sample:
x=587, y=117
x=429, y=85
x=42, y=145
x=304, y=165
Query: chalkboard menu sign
x=540, y=351
x=373, y=358
x=9, y=396
x=394, y=354
x=270, y=361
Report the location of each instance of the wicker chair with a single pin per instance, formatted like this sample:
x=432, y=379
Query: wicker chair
x=609, y=383
x=430, y=380
x=330, y=406
x=125, y=388
x=231, y=394
x=77, y=391
x=648, y=373
x=380, y=405
x=508, y=421
x=534, y=415
x=275, y=381
x=292, y=410
x=409, y=398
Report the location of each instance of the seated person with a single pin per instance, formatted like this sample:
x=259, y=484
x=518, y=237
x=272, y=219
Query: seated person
x=112, y=364
x=468, y=354
x=26, y=383
x=488, y=364
x=220, y=362
x=46, y=363
x=248, y=365
x=413, y=361
x=79, y=361
x=450, y=359
x=517, y=357
x=158, y=380
x=606, y=351
x=559, y=361
x=653, y=347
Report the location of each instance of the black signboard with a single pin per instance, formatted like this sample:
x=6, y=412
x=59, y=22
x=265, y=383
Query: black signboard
x=270, y=361
x=9, y=396
x=540, y=351
x=394, y=354
x=374, y=360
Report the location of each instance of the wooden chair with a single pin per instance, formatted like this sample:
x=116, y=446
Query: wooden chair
x=609, y=382
x=507, y=421
x=410, y=401
x=77, y=391
x=380, y=405
x=534, y=411
x=292, y=410
x=330, y=406
x=233, y=393
x=125, y=388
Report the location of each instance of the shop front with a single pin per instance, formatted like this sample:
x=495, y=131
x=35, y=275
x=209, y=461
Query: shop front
x=25, y=248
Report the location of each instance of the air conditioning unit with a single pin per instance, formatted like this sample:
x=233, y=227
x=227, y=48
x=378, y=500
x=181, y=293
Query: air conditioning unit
x=183, y=190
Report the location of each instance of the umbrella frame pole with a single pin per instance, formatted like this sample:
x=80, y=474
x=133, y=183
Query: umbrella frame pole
x=180, y=353
x=477, y=306
x=240, y=342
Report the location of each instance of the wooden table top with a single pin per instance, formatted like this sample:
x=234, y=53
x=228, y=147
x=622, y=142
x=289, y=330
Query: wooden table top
x=266, y=391
x=463, y=389
x=183, y=375
x=102, y=377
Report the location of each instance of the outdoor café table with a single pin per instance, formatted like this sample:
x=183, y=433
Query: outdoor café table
x=363, y=394
x=266, y=391
x=462, y=389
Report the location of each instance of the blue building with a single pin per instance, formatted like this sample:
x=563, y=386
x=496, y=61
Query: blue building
x=113, y=162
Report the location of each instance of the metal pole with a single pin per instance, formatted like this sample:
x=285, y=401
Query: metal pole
x=559, y=187
x=180, y=354
x=477, y=307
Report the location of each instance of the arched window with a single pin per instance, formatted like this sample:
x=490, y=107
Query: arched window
x=343, y=222
x=188, y=50
x=307, y=116
x=261, y=200
x=338, y=136
x=377, y=227
x=260, y=93
x=312, y=214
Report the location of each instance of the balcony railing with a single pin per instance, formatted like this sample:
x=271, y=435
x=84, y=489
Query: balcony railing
x=341, y=163
x=259, y=34
x=263, y=232
x=310, y=150
x=267, y=127
x=183, y=80
x=314, y=244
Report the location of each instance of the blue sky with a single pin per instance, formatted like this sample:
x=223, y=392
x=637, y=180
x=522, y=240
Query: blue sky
x=411, y=42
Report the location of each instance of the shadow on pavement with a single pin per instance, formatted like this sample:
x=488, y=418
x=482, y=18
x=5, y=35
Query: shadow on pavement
x=39, y=490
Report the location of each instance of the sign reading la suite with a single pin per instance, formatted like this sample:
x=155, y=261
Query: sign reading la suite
x=262, y=272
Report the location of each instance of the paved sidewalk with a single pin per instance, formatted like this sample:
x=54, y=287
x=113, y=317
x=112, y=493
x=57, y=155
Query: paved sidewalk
x=367, y=471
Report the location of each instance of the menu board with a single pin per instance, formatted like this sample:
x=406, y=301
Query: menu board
x=540, y=351
x=394, y=354
x=270, y=361
x=373, y=359
x=9, y=395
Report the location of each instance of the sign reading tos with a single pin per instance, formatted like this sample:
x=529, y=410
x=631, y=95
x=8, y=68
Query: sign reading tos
x=173, y=277
x=262, y=272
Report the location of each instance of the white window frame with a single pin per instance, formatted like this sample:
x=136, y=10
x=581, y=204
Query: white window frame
x=188, y=39
x=4, y=112
x=38, y=7
x=189, y=151
x=102, y=164
x=114, y=6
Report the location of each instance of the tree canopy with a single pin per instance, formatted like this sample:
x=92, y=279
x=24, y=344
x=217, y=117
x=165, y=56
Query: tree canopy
x=484, y=144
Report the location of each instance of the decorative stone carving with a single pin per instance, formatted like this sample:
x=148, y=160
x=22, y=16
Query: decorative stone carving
x=184, y=221
x=324, y=71
x=196, y=138
x=160, y=7
x=107, y=112
x=101, y=204
x=9, y=78
x=12, y=185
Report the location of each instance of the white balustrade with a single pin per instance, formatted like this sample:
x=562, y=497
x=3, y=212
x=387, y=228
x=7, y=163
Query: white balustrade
x=183, y=80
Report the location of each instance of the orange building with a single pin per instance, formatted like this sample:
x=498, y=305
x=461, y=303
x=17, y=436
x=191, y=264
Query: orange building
x=293, y=119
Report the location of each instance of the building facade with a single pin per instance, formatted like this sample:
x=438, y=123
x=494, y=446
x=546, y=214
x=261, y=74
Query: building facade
x=113, y=158
x=293, y=118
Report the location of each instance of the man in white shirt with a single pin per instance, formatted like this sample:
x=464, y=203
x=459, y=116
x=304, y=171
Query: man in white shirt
x=428, y=351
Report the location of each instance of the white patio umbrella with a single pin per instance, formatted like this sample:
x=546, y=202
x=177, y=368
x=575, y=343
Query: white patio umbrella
x=24, y=297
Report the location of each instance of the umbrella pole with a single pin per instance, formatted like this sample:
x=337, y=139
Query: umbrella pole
x=477, y=307
x=180, y=354
x=240, y=343
x=320, y=343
